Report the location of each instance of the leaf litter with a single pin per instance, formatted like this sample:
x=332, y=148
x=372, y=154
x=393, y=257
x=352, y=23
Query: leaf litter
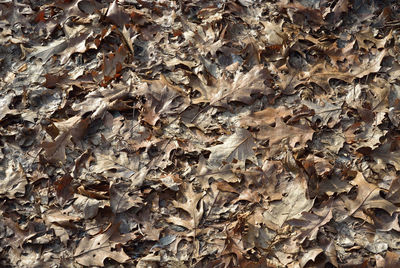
x=199, y=134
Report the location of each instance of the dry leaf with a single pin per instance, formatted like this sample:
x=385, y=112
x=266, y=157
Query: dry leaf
x=93, y=251
x=296, y=135
x=237, y=146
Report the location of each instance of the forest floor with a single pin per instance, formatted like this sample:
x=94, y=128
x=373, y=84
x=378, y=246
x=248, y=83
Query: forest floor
x=218, y=133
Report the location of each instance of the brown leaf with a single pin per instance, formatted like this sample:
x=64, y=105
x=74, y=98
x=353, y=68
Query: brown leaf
x=116, y=15
x=93, y=251
x=384, y=155
x=327, y=113
x=13, y=184
x=369, y=65
x=309, y=223
x=393, y=194
x=392, y=260
x=74, y=128
x=265, y=117
x=318, y=165
x=294, y=202
x=310, y=255
x=64, y=190
x=163, y=99
x=122, y=197
x=112, y=65
x=256, y=81
x=295, y=135
x=368, y=196
x=238, y=146
x=190, y=204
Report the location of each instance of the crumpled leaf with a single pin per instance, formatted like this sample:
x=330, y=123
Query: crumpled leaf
x=88, y=207
x=310, y=255
x=265, y=117
x=116, y=15
x=5, y=101
x=111, y=166
x=319, y=165
x=14, y=182
x=74, y=128
x=369, y=65
x=392, y=259
x=93, y=251
x=393, y=194
x=103, y=99
x=63, y=188
x=237, y=146
x=384, y=155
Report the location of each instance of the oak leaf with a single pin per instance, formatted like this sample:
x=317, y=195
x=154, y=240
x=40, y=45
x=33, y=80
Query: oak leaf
x=294, y=202
x=190, y=205
x=93, y=251
x=237, y=146
x=328, y=114
x=241, y=89
x=368, y=196
x=309, y=223
x=13, y=184
x=74, y=128
x=298, y=134
x=163, y=99
x=265, y=117
x=123, y=197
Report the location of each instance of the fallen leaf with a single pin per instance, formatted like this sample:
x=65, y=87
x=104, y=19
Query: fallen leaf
x=163, y=99
x=123, y=198
x=14, y=182
x=295, y=135
x=256, y=81
x=368, y=196
x=265, y=117
x=238, y=146
x=309, y=223
x=93, y=251
x=293, y=204
x=190, y=205
x=328, y=114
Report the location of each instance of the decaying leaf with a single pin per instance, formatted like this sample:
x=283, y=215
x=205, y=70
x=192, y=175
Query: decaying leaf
x=163, y=99
x=122, y=198
x=14, y=181
x=328, y=114
x=265, y=117
x=74, y=128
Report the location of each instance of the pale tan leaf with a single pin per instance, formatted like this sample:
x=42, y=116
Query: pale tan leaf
x=93, y=251
x=295, y=135
x=237, y=146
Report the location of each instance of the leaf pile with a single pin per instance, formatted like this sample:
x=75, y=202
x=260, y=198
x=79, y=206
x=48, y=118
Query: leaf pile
x=199, y=133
